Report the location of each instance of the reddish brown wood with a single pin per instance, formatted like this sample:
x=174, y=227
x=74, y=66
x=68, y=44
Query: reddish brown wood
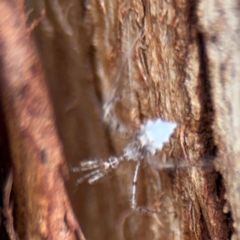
x=42, y=208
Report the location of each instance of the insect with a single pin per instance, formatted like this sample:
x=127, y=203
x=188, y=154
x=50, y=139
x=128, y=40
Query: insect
x=147, y=140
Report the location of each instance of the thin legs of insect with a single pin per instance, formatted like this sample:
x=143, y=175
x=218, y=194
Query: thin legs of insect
x=149, y=139
x=134, y=205
x=97, y=169
x=134, y=188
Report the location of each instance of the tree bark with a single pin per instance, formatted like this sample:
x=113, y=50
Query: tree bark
x=42, y=209
x=111, y=66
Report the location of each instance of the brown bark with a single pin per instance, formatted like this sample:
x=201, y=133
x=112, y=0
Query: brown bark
x=42, y=209
x=122, y=63
x=221, y=34
x=165, y=73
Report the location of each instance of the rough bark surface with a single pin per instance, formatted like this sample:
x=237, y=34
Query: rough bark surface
x=42, y=209
x=111, y=65
x=219, y=21
x=151, y=61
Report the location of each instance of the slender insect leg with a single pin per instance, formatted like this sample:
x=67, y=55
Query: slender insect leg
x=134, y=188
x=86, y=165
x=134, y=205
x=91, y=177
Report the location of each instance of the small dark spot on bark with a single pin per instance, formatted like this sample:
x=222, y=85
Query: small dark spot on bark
x=23, y=91
x=214, y=39
x=222, y=67
x=34, y=70
x=43, y=156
